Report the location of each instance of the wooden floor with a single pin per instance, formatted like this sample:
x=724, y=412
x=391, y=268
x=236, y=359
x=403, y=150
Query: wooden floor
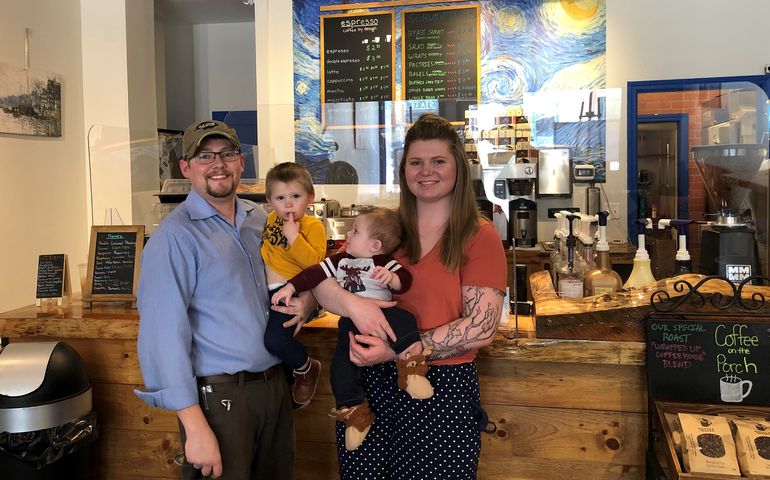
x=563, y=409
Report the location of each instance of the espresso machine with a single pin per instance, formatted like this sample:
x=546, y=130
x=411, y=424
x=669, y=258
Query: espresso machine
x=516, y=183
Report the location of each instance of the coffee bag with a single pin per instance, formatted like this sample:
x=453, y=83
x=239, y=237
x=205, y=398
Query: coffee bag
x=708, y=445
x=752, y=441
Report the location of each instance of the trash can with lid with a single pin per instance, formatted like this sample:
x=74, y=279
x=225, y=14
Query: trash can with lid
x=47, y=420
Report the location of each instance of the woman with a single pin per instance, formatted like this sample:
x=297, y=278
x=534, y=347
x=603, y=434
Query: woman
x=459, y=275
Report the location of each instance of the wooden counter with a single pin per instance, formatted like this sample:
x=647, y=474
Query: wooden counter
x=564, y=409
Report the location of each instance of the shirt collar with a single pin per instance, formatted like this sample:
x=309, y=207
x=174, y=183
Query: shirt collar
x=200, y=209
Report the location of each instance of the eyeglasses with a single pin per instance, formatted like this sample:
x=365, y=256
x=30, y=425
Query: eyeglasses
x=205, y=158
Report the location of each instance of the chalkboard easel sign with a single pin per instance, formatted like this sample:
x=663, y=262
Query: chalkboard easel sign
x=52, y=278
x=113, y=264
x=715, y=360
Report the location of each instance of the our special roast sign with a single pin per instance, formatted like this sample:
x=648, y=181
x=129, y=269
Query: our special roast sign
x=710, y=361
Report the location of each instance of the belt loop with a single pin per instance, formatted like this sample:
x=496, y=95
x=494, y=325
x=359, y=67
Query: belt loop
x=241, y=379
x=266, y=374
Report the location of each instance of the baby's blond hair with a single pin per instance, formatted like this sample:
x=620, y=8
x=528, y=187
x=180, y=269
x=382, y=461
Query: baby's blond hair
x=383, y=225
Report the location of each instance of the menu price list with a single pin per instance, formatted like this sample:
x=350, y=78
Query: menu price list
x=114, y=263
x=441, y=53
x=50, y=276
x=357, y=58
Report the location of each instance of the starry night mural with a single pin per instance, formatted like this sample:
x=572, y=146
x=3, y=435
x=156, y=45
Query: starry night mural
x=526, y=47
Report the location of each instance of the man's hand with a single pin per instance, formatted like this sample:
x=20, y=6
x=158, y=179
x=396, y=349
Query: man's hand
x=299, y=306
x=201, y=448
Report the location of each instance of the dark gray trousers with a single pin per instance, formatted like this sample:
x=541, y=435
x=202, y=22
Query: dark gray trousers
x=256, y=435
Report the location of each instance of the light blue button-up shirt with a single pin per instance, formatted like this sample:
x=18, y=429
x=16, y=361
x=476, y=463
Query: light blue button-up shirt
x=202, y=300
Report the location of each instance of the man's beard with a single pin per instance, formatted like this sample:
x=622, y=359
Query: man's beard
x=222, y=193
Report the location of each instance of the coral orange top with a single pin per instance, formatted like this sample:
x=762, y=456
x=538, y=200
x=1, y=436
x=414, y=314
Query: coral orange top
x=435, y=297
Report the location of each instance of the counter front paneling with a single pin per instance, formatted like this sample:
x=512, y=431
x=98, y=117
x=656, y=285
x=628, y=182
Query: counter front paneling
x=563, y=409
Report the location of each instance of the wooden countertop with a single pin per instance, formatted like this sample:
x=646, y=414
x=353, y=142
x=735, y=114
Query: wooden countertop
x=117, y=321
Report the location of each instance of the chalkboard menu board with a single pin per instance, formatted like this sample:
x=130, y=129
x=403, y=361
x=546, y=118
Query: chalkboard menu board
x=357, y=52
x=724, y=360
x=441, y=55
x=113, y=267
x=51, y=275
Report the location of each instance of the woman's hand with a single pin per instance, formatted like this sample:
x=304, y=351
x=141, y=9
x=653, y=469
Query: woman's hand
x=365, y=313
x=366, y=350
x=368, y=318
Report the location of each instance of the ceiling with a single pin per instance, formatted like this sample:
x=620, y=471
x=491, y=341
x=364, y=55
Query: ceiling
x=207, y=11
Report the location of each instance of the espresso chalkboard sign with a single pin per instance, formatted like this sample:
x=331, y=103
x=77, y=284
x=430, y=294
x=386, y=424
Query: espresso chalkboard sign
x=441, y=55
x=113, y=266
x=52, y=273
x=357, y=52
x=721, y=360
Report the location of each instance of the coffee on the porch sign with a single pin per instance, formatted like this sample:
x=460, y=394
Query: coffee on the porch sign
x=721, y=360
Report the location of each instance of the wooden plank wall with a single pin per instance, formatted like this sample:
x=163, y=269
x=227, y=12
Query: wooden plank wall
x=563, y=409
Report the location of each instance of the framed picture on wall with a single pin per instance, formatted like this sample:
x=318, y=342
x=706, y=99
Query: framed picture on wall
x=170, y=148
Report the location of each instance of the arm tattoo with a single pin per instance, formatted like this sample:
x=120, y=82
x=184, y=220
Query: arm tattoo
x=481, y=316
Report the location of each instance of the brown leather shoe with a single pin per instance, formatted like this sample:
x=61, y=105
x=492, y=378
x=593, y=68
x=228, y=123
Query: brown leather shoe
x=305, y=383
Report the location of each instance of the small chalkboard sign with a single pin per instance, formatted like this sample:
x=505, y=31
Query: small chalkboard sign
x=52, y=277
x=357, y=52
x=714, y=360
x=440, y=58
x=113, y=263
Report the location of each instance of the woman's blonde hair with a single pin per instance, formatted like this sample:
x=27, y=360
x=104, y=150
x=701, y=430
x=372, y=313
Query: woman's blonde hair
x=463, y=215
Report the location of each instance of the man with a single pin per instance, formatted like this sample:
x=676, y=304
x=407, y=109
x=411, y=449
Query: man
x=204, y=305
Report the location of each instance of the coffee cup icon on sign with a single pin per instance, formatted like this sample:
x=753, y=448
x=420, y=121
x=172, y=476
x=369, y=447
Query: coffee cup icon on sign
x=731, y=388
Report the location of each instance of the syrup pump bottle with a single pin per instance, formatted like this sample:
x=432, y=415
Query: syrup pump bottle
x=570, y=283
x=587, y=253
x=559, y=254
x=641, y=273
x=683, y=262
x=602, y=279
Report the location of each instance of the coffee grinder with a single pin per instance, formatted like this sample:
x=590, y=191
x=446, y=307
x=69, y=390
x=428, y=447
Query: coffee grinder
x=516, y=183
x=737, y=188
x=477, y=181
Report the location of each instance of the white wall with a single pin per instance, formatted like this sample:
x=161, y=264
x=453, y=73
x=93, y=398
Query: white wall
x=42, y=186
x=661, y=39
x=225, y=77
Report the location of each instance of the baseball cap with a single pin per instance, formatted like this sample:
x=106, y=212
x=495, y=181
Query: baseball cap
x=195, y=133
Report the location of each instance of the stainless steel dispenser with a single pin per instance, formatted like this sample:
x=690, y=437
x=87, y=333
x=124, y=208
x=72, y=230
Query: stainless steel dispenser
x=554, y=173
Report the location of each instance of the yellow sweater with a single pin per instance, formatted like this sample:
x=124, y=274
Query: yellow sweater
x=288, y=260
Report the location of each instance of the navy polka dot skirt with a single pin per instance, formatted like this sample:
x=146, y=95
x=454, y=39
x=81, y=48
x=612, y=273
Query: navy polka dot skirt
x=437, y=438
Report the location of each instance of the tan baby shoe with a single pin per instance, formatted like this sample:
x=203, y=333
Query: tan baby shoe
x=411, y=376
x=358, y=420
